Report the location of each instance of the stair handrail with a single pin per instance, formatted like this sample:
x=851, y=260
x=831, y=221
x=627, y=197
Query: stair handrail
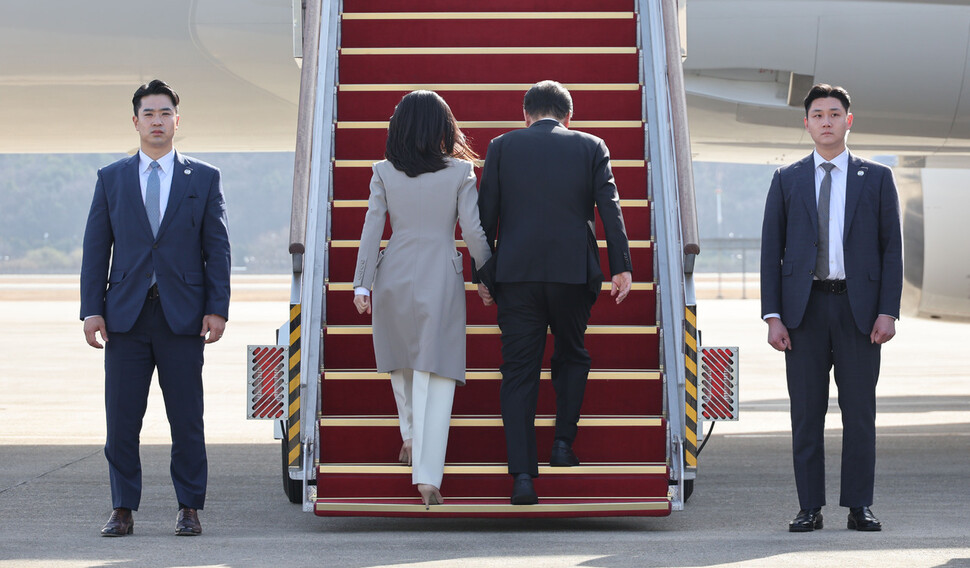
x=673, y=265
x=681, y=134
x=304, y=132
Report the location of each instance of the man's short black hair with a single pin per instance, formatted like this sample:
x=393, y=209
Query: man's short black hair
x=548, y=98
x=156, y=87
x=824, y=91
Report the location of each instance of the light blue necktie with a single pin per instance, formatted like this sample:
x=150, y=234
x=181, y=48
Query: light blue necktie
x=152, y=191
x=152, y=198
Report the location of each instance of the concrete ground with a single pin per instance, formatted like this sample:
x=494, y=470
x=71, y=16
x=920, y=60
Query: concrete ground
x=54, y=495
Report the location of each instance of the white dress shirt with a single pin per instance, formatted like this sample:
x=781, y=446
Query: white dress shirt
x=836, y=226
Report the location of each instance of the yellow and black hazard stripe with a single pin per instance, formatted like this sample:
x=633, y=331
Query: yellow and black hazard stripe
x=293, y=422
x=690, y=363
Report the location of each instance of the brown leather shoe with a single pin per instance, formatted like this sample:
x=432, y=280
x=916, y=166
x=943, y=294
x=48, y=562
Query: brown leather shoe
x=188, y=523
x=120, y=523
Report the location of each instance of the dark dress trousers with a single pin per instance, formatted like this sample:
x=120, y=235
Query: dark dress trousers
x=832, y=330
x=190, y=259
x=537, y=194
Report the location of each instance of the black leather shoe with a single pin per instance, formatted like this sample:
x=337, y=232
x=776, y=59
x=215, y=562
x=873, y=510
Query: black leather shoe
x=862, y=519
x=187, y=523
x=807, y=520
x=562, y=455
x=120, y=523
x=523, y=493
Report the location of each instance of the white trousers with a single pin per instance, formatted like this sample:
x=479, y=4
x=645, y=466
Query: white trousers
x=424, y=410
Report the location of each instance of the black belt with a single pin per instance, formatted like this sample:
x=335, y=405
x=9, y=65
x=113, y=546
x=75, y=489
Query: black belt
x=829, y=286
x=153, y=292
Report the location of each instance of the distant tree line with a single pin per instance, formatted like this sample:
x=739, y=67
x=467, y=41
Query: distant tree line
x=44, y=202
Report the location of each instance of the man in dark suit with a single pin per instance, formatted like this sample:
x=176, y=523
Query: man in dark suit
x=831, y=280
x=537, y=194
x=155, y=279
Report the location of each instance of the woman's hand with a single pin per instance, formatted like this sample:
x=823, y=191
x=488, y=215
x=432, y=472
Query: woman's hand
x=362, y=303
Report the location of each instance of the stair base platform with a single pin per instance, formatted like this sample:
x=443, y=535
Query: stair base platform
x=457, y=507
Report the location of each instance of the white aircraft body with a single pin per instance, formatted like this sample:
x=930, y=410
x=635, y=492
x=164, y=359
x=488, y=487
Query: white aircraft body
x=66, y=68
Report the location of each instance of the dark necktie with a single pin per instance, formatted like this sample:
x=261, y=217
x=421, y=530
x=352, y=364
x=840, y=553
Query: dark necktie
x=152, y=191
x=824, y=195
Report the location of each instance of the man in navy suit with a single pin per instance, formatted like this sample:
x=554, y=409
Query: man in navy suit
x=831, y=280
x=155, y=280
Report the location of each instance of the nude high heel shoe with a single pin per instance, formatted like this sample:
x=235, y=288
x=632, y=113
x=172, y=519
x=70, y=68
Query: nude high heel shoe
x=405, y=454
x=430, y=495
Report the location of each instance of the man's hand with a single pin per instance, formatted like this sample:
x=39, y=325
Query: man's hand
x=92, y=325
x=485, y=295
x=215, y=326
x=362, y=303
x=883, y=330
x=778, y=334
x=622, y=283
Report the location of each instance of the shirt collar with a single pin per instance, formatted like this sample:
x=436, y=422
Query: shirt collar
x=166, y=162
x=841, y=161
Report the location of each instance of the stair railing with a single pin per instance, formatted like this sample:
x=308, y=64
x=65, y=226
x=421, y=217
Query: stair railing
x=674, y=214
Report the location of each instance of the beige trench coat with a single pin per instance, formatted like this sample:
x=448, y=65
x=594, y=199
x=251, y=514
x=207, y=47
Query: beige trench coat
x=418, y=290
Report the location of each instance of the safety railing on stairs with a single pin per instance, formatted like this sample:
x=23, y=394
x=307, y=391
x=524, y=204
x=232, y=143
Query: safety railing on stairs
x=675, y=223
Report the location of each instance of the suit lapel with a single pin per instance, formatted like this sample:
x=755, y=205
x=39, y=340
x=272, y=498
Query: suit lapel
x=805, y=186
x=181, y=176
x=133, y=198
x=854, y=182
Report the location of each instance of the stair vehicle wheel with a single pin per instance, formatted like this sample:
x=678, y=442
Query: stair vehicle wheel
x=293, y=488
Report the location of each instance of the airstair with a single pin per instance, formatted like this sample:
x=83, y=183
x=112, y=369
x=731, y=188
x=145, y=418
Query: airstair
x=638, y=436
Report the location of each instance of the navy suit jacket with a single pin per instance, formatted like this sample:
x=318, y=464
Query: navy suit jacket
x=190, y=255
x=539, y=186
x=872, y=242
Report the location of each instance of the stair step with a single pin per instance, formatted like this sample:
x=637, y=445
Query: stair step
x=625, y=139
x=629, y=393
x=638, y=308
x=348, y=220
x=596, y=481
x=351, y=178
x=353, y=439
x=526, y=65
x=498, y=507
x=487, y=29
x=343, y=259
x=478, y=101
x=488, y=5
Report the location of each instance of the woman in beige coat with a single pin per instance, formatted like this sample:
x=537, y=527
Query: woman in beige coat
x=426, y=184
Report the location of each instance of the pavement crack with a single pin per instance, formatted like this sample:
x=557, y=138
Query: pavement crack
x=50, y=471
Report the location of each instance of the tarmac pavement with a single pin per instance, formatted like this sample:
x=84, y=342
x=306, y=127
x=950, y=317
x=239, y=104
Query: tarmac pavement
x=54, y=495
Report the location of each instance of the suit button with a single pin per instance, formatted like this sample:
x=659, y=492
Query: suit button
x=148, y=275
x=154, y=246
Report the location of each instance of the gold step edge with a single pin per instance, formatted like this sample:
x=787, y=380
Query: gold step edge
x=496, y=375
x=494, y=330
x=509, y=50
x=470, y=124
x=470, y=287
x=464, y=422
x=349, y=243
x=450, y=507
x=504, y=15
x=523, y=87
x=478, y=163
x=497, y=469
x=362, y=203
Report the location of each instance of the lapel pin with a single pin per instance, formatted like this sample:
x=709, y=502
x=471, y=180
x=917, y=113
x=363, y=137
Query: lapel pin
x=860, y=173
x=187, y=171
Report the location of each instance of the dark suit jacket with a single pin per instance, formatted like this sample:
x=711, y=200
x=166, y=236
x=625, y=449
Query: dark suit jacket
x=872, y=242
x=536, y=197
x=190, y=255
